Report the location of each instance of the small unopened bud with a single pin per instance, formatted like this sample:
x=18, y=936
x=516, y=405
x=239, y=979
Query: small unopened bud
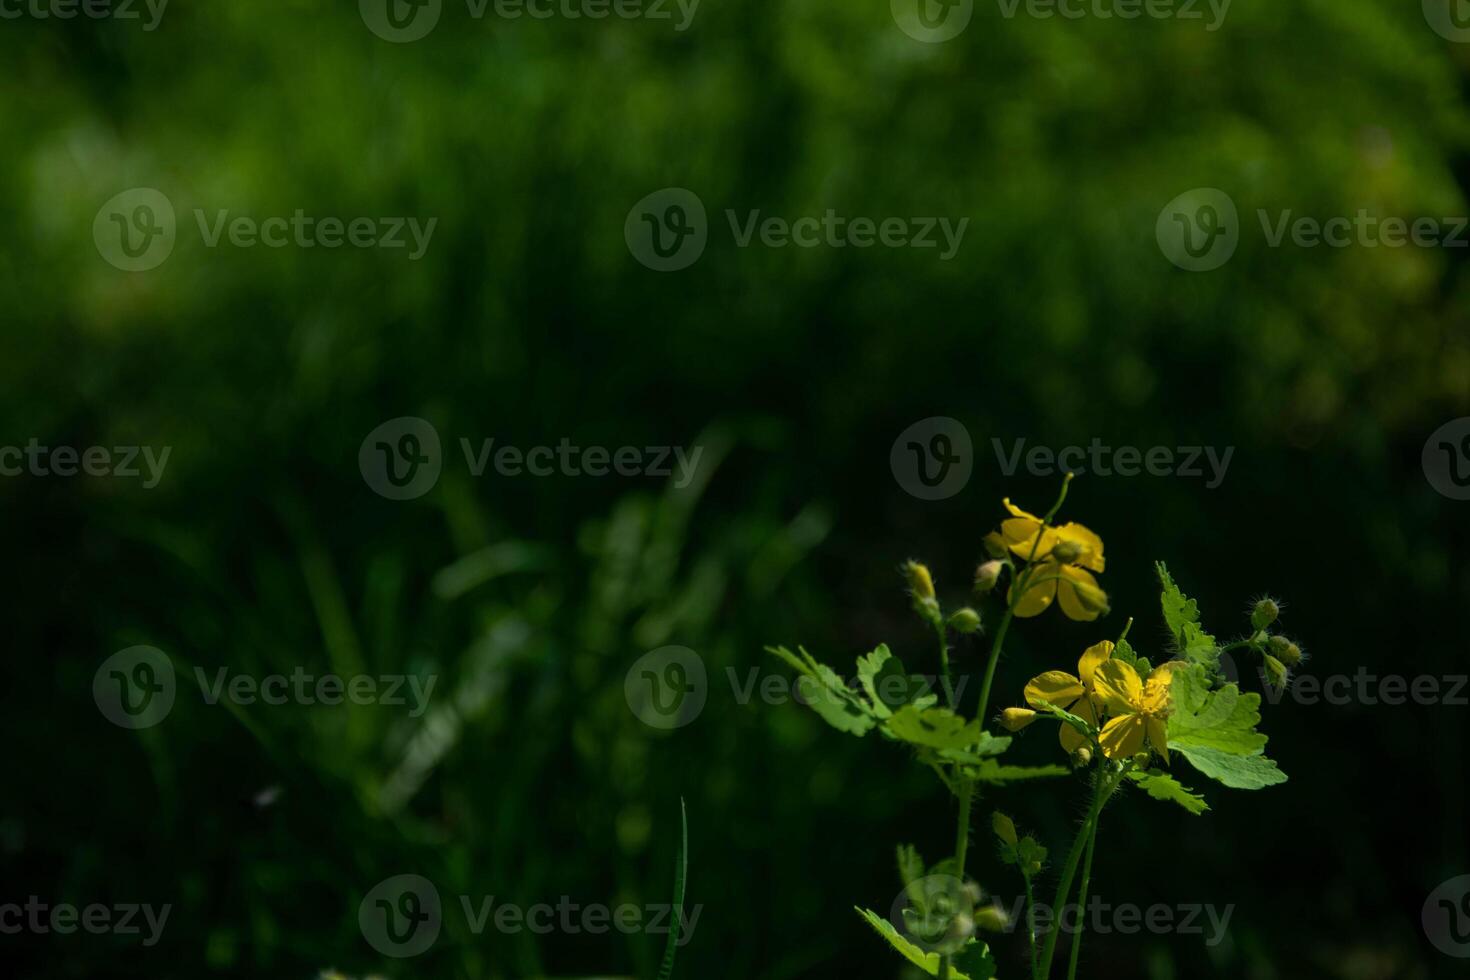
x=1275, y=672
x=1015, y=719
x=1093, y=599
x=987, y=575
x=995, y=545
x=961, y=928
x=973, y=893
x=1286, y=651
x=1004, y=827
x=1081, y=756
x=1141, y=759
x=992, y=918
x=1265, y=613
x=965, y=620
x=1066, y=552
x=921, y=584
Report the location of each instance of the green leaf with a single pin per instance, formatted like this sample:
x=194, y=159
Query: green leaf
x=1181, y=613
x=974, y=961
x=935, y=728
x=1235, y=771
x=910, y=864
x=988, y=745
x=888, y=686
x=681, y=875
x=1162, y=786
x=832, y=700
x=990, y=771
x=1216, y=731
x=928, y=962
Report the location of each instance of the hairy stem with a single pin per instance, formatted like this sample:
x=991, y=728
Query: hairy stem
x=1082, y=902
x=1102, y=788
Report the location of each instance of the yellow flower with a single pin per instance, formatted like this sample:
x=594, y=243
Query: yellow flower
x=1065, y=558
x=1075, y=694
x=1137, y=708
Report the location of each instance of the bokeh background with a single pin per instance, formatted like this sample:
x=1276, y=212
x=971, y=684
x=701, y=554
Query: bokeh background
x=264, y=549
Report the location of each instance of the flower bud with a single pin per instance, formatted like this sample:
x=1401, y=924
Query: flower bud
x=1004, y=827
x=965, y=620
x=1066, y=552
x=995, y=545
x=1141, y=759
x=961, y=928
x=1265, y=613
x=1275, y=672
x=987, y=575
x=973, y=893
x=1015, y=719
x=1286, y=651
x=1081, y=756
x=1091, y=598
x=992, y=918
x=921, y=584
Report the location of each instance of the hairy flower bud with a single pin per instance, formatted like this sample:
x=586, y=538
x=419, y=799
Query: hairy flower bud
x=965, y=620
x=1275, y=672
x=961, y=928
x=1081, y=756
x=987, y=575
x=1066, y=552
x=921, y=583
x=1004, y=827
x=1015, y=719
x=1265, y=613
x=995, y=545
x=992, y=918
x=1286, y=651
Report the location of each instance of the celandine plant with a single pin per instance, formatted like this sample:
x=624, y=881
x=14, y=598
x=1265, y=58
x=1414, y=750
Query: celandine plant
x=1121, y=720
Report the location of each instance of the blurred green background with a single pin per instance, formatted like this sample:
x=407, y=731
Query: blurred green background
x=264, y=549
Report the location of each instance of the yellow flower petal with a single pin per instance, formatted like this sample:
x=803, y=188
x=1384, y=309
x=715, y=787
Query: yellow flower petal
x=1156, y=689
x=1090, y=544
x=1158, y=734
x=1040, y=590
x=1092, y=658
x=1116, y=683
x=1080, y=595
x=1071, y=738
x=1123, y=736
x=1018, y=512
x=1020, y=535
x=1053, y=687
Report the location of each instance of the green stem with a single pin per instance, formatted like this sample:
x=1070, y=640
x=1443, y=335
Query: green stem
x=1102, y=789
x=1082, y=901
x=1031, y=923
x=962, y=829
x=944, y=678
